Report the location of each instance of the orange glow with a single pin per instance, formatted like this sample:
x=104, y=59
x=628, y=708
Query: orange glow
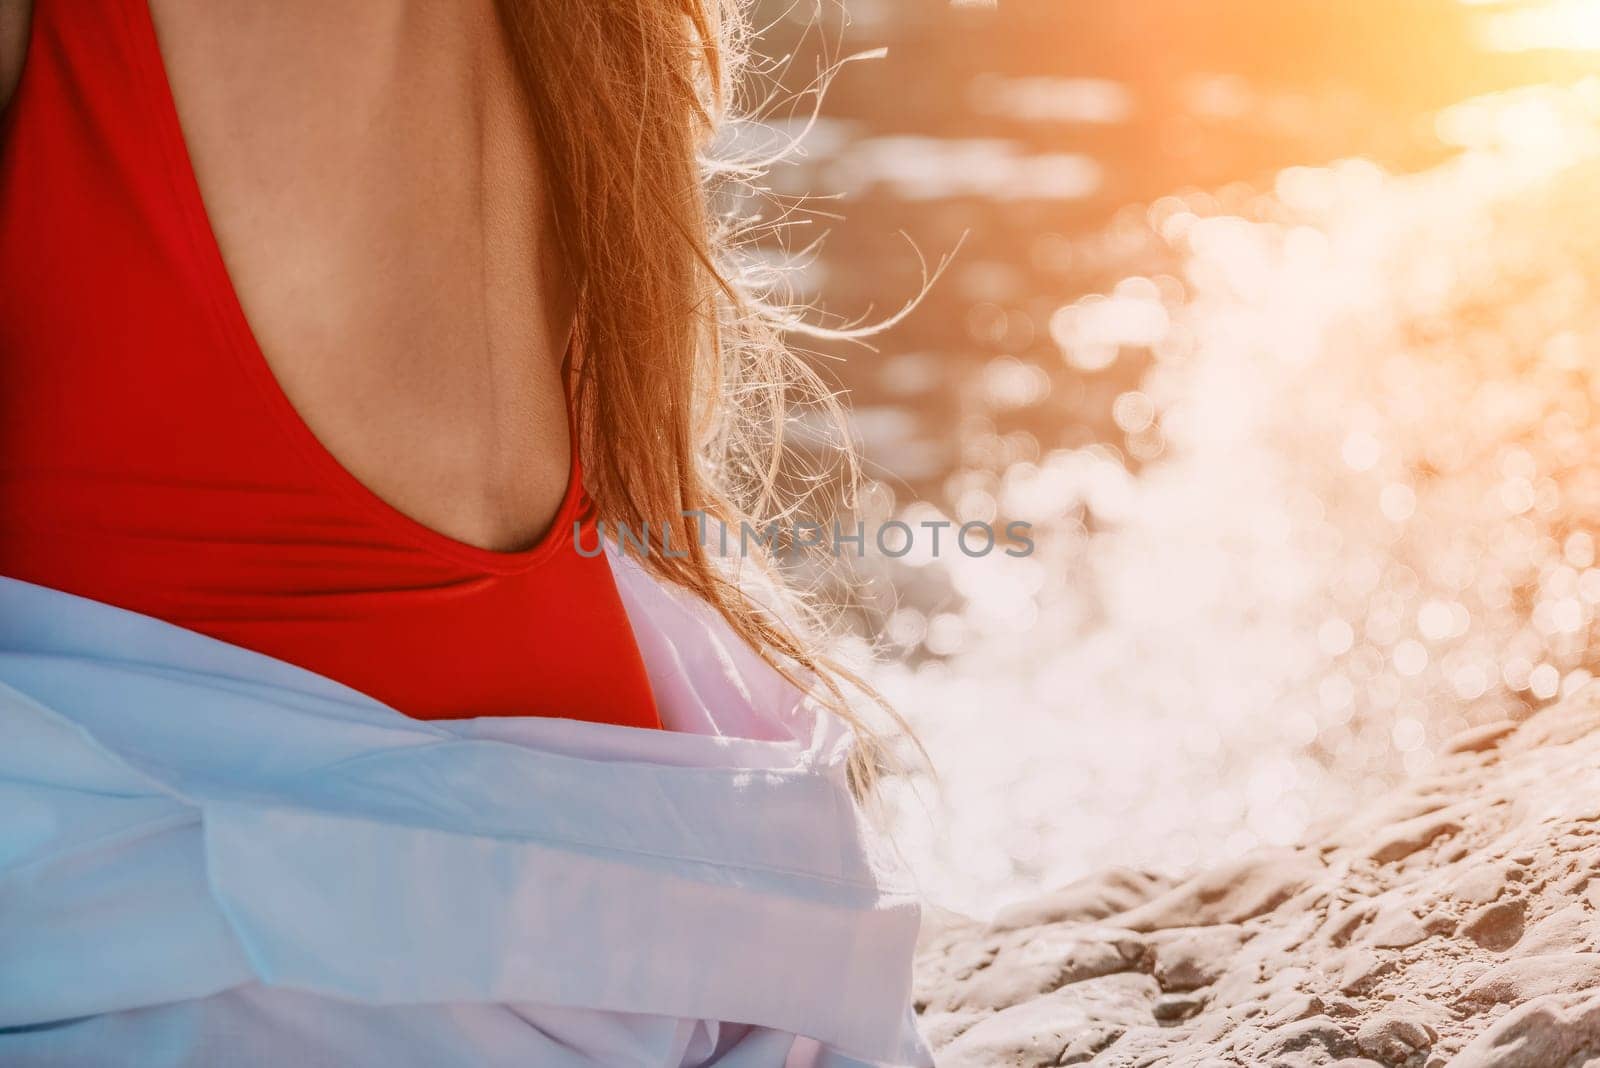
x=1277, y=319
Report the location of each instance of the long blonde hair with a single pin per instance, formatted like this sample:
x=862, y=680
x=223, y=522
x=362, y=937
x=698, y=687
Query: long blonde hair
x=685, y=383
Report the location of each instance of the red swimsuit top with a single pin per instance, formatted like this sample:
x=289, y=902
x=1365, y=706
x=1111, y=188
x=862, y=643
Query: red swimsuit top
x=149, y=460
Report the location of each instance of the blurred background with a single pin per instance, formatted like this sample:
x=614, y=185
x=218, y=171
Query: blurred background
x=1276, y=318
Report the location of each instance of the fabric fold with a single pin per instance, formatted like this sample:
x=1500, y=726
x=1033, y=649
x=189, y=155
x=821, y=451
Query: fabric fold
x=188, y=821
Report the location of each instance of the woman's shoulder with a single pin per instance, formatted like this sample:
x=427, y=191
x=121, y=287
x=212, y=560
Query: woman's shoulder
x=15, y=15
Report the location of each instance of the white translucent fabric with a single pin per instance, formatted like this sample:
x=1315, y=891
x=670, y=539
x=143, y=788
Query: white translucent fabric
x=208, y=856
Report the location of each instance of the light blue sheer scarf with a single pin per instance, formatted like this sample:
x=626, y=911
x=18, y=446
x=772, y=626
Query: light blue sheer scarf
x=210, y=856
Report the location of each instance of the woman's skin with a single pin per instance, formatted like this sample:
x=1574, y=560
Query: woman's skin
x=13, y=43
x=375, y=189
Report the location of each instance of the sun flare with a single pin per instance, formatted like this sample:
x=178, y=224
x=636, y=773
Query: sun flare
x=1554, y=25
